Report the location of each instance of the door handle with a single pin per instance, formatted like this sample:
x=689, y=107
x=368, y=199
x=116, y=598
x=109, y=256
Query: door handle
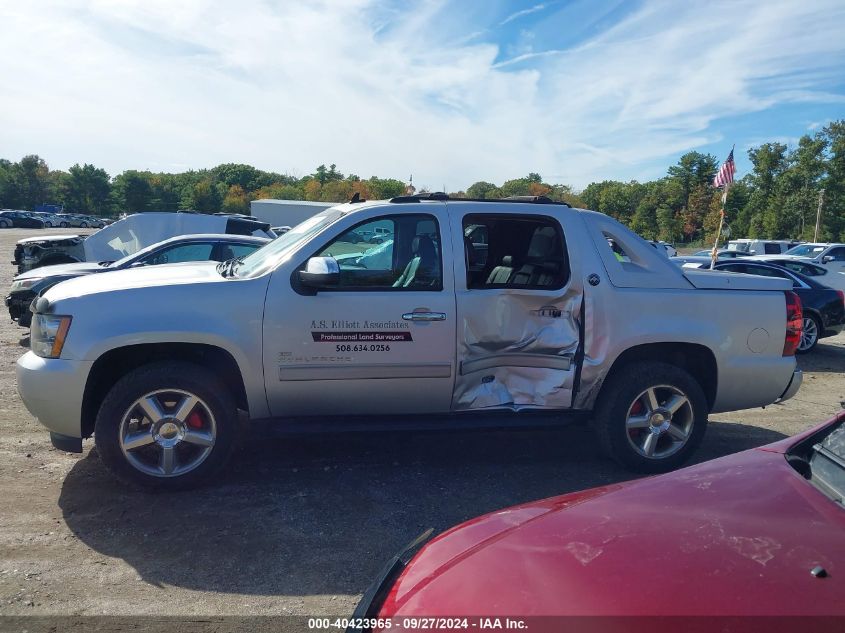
x=424, y=316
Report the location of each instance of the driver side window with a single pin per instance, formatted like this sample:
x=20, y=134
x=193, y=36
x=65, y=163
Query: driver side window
x=400, y=251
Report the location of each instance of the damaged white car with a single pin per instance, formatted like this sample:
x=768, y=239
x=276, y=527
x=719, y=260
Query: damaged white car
x=127, y=237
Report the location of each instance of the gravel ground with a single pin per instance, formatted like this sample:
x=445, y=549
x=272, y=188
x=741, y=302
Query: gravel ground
x=300, y=526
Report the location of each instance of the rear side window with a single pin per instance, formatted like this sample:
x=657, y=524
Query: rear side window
x=771, y=249
x=514, y=251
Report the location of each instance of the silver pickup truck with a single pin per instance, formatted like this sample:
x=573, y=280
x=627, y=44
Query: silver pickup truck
x=476, y=313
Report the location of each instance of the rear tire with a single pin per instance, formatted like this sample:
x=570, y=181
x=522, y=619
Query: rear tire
x=811, y=332
x=167, y=425
x=4, y=224
x=64, y=225
x=650, y=416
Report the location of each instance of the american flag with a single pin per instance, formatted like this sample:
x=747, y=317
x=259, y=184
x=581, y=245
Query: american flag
x=726, y=172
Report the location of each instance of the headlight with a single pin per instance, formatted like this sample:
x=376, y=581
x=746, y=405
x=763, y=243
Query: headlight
x=47, y=334
x=25, y=284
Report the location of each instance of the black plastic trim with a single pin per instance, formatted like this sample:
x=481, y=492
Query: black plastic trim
x=66, y=442
x=375, y=594
x=440, y=196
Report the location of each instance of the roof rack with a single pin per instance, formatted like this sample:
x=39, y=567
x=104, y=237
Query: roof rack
x=439, y=195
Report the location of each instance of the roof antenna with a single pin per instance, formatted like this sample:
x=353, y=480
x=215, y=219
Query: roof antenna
x=356, y=198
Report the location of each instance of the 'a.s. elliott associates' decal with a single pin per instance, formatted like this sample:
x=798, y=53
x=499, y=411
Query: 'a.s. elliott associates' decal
x=355, y=337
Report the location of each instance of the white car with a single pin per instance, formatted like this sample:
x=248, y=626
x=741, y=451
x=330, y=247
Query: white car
x=761, y=247
x=830, y=255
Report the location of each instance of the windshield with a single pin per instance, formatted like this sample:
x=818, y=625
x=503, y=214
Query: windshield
x=806, y=250
x=269, y=256
x=739, y=246
x=125, y=261
x=827, y=464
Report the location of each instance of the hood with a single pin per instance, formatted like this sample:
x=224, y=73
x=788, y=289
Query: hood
x=48, y=238
x=143, y=277
x=717, y=280
x=59, y=270
x=734, y=536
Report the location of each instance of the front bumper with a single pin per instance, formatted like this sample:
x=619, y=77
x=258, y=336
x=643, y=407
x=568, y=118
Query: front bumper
x=793, y=386
x=18, y=304
x=52, y=391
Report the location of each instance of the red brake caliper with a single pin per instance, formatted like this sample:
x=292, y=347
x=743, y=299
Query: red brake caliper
x=195, y=420
x=636, y=409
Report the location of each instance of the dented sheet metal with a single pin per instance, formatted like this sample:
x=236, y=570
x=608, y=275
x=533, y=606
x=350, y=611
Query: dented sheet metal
x=517, y=348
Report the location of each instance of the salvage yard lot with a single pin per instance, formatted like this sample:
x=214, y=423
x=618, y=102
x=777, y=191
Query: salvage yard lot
x=296, y=526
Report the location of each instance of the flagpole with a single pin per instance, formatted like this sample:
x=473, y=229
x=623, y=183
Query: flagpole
x=714, y=254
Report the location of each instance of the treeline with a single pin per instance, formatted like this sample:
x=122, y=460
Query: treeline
x=229, y=188
x=778, y=199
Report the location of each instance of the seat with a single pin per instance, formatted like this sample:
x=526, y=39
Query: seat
x=226, y=253
x=422, y=269
x=472, y=258
x=501, y=274
x=539, y=269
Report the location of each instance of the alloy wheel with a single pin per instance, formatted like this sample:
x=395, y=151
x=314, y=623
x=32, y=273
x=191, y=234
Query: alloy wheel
x=809, y=333
x=659, y=422
x=167, y=433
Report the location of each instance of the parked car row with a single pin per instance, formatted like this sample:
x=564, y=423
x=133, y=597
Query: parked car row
x=11, y=218
x=190, y=248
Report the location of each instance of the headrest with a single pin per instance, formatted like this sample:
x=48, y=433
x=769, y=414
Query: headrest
x=507, y=260
x=423, y=246
x=542, y=243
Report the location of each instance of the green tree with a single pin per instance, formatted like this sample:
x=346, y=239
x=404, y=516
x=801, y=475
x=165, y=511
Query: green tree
x=203, y=196
x=30, y=182
x=87, y=189
x=133, y=191
x=483, y=190
x=236, y=200
x=693, y=170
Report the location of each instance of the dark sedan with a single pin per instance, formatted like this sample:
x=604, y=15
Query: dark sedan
x=757, y=533
x=19, y=219
x=184, y=248
x=824, y=307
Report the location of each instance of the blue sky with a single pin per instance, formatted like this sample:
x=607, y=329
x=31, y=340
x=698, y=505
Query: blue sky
x=451, y=91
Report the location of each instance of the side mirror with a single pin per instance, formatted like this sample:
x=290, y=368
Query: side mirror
x=320, y=272
x=827, y=259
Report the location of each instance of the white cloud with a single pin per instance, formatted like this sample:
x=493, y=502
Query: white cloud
x=518, y=14
x=145, y=84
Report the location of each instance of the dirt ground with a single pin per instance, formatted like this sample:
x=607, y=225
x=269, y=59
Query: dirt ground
x=299, y=526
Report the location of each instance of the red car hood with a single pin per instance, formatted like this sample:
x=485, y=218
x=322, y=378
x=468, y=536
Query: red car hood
x=734, y=536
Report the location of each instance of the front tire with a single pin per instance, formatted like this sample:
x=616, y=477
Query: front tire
x=83, y=225
x=651, y=416
x=4, y=224
x=64, y=225
x=168, y=425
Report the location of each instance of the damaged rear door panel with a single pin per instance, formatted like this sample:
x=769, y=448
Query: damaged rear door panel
x=519, y=300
